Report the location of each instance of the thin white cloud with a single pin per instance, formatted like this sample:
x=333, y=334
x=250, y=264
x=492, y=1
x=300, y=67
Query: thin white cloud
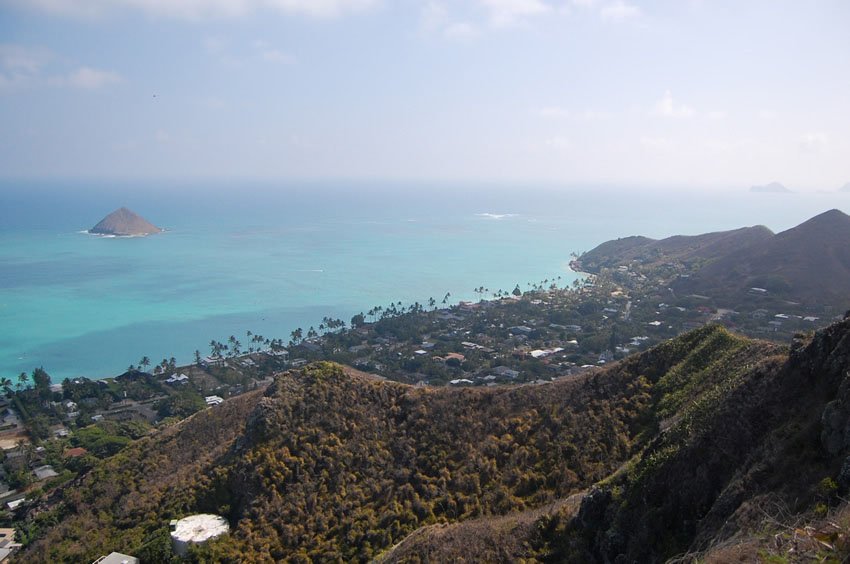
x=665, y=107
x=766, y=114
x=461, y=30
x=196, y=9
x=655, y=143
x=319, y=8
x=559, y=113
x=554, y=112
x=619, y=10
x=433, y=16
x=595, y=115
x=88, y=78
x=212, y=103
x=814, y=142
x=215, y=45
x=273, y=55
x=21, y=59
x=717, y=115
x=559, y=143
x=584, y=3
x=508, y=12
x=276, y=56
x=20, y=65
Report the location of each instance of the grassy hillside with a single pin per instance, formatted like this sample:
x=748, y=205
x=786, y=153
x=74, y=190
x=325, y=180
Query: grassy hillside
x=675, y=450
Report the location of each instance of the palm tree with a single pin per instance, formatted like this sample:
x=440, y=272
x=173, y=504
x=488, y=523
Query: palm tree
x=6, y=384
x=22, y=380
x=145, y=362
x=297, y=335
x=197, y=356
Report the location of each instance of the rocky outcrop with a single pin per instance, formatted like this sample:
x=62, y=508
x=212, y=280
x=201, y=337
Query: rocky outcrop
x=124, y=223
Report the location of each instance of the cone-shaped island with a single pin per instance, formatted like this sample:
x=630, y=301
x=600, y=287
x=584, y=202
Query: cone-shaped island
x=125, y=223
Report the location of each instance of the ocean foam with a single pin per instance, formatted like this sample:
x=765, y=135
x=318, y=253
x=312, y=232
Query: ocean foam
x=489, y=215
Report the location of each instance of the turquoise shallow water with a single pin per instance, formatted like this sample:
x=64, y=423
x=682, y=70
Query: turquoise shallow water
x=270, y=258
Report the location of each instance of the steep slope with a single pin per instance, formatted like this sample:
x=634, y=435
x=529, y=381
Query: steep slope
x=747, y=464
x=335, y=467
x=758, y=450
x=338, y=466
x=685, y=248
x=124, y=222
x=808, y=263
x=680, y=448
x=124, y=504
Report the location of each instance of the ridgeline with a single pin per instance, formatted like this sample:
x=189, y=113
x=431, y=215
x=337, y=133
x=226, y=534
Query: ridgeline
x=710, y=444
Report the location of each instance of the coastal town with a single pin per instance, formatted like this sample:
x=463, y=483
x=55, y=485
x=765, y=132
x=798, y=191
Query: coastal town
x=52, y=432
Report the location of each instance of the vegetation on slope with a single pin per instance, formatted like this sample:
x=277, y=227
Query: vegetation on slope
x=683, y=447
x=125, y=502
x=769, y=432
x=336, y=467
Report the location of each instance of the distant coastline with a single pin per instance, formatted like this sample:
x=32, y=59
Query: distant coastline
x=228, y=266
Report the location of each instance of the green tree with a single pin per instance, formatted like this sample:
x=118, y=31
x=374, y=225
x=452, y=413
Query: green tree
x=22, y=380
x=181, y=404
x=297, y=335
x=41, y=381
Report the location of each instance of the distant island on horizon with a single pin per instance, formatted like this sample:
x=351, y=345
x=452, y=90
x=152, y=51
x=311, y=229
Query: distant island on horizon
x=124, y=222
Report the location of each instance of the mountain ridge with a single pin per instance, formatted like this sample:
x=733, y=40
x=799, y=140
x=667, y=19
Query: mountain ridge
x=330, y=465
x=809, y=263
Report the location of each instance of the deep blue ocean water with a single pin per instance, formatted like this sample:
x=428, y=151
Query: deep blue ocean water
x=270, y=257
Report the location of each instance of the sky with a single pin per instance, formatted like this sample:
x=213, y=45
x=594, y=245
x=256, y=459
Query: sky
x=698, y=93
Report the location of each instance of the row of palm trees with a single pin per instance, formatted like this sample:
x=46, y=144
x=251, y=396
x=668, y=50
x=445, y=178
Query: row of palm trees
x=6, y=383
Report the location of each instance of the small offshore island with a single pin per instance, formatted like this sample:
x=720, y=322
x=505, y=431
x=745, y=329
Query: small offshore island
x=124, y=223
x=559, y=414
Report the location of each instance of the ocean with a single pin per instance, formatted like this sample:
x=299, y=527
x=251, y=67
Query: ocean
x=270, y=257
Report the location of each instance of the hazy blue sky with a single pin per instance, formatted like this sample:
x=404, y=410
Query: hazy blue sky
x=632, y=92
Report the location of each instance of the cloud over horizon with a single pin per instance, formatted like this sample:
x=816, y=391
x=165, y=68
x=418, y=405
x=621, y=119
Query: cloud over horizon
x=194, y=9
x=626, y=91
